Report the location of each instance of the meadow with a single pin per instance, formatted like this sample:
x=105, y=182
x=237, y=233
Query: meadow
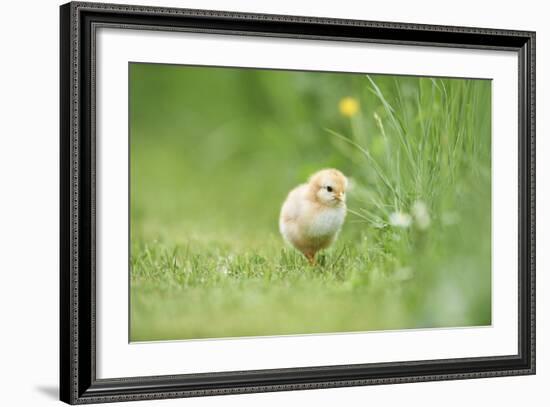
x=214, y=151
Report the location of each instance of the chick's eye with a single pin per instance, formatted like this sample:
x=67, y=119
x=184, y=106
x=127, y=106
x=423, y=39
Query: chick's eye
x=329, y=189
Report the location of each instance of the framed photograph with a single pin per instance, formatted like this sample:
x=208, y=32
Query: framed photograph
x=255, y=203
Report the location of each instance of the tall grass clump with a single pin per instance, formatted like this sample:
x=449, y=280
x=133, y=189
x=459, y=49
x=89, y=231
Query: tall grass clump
x=420, y=154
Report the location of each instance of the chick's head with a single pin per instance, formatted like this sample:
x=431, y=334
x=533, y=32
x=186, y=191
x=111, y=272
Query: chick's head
x=328, y=187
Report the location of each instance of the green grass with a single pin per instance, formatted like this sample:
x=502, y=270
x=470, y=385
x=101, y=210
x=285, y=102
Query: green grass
x=214, y=152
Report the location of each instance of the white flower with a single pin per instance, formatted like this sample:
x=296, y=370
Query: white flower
x=224, y=263
x=450, y=218
x=400, y=219
x=404, y=273
x=421, y=215
x=223, y=269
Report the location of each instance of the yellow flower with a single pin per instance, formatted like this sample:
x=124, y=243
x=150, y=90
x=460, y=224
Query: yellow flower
x=348, y=106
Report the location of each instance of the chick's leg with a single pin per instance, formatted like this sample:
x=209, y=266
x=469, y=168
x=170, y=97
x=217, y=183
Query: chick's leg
x=310, y=258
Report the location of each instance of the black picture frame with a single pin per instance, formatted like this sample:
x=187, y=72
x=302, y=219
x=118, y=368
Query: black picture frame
x=78, y=382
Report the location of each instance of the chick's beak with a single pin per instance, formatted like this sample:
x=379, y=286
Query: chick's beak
x=340, y=196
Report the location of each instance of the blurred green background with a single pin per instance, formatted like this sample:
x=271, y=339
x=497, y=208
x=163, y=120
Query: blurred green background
x=214, y=151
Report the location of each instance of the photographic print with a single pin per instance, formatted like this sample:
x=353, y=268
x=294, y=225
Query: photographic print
x=271, y=202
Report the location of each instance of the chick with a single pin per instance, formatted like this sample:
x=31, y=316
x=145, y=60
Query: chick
x=313, y=213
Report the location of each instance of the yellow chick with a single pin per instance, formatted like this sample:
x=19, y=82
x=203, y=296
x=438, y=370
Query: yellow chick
x=313, y=213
